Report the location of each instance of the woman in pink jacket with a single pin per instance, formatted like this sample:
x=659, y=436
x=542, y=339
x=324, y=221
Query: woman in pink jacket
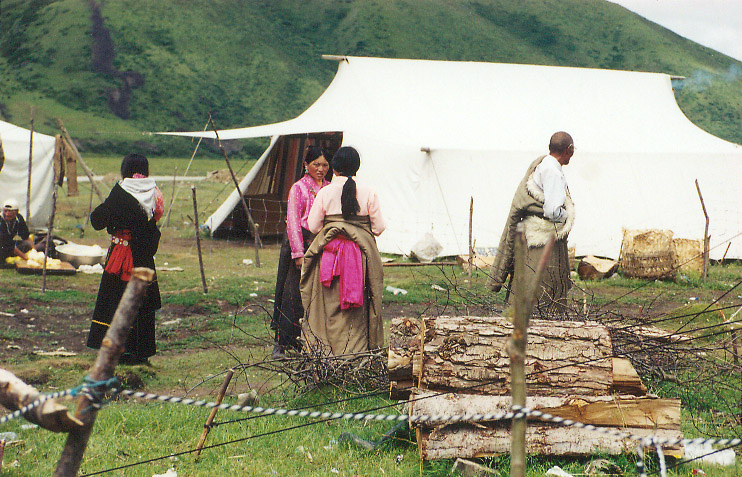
x=342, y=277
x=287, y=309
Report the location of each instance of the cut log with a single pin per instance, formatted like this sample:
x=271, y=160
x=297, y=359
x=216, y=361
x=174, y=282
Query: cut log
x=625, y=379
x=604, y=411
x=468, y=354
x=468, y=442
x=594, y=268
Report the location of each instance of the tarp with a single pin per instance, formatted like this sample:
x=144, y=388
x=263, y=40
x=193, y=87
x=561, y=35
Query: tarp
x=14, y=174
x=433, y=134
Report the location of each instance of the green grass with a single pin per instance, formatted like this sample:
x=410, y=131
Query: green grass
x=229, y=327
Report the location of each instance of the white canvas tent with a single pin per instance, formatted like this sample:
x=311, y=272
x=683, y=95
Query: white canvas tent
x=14, y=174
x=432, y=134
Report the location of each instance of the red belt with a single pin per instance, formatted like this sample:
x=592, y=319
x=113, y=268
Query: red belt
x=120, y=263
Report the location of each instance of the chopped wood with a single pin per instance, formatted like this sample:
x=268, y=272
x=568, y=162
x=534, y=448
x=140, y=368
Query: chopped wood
x=479, y=262
x=605, y=411
x=51, y=415
x=469, y=353
x=665, y=336
x=468, y=441
x=625, y=378
x=594, y=268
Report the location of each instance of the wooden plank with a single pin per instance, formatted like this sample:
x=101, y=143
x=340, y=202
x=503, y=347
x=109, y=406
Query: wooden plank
x=625, y=378
x=605, y=411
x=66, y=268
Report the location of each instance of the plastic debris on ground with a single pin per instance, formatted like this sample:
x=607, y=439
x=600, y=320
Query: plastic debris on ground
x=709, y=455
x=437, y=287
x=556, y=470
x=396, y=291
x=90, y=269
x=170, y=473
x=247, y=261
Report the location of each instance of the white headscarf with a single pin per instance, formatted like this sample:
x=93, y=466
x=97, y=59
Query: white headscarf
x=143, y=190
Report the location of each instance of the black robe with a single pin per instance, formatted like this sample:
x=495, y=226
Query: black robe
x=121, y=211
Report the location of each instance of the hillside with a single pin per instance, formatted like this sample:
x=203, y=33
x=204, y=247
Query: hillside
x=112, y=70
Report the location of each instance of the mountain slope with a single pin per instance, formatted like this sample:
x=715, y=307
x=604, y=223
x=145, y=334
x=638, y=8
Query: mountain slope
x=114, y=69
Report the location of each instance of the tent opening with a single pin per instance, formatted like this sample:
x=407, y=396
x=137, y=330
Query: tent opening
x=267, y=193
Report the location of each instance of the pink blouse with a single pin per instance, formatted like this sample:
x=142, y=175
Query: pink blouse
x=301, y=198
x=328, y=203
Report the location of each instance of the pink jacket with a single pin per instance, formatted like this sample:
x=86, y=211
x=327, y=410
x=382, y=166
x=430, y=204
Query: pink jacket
x=342, y=258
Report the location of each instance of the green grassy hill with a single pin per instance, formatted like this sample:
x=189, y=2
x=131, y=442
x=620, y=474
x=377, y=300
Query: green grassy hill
x=114, y=69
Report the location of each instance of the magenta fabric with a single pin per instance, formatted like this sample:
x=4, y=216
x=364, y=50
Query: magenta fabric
x=342, y=258
x=301, y=198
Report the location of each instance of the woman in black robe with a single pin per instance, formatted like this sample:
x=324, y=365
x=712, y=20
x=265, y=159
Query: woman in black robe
x=129, y=214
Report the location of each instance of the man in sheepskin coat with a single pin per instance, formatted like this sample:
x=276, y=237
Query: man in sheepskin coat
x=542, y=202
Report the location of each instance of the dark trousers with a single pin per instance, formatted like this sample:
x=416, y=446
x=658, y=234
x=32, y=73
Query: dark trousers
x=287, y=309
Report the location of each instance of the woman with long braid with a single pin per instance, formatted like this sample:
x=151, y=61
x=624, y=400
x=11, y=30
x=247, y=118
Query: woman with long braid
x=342, y=277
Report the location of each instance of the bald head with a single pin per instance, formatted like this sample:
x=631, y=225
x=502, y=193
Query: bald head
x=561, y=146
x=559, y=142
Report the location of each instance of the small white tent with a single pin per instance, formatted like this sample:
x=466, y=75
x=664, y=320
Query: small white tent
x=14, y=174
x=432, y=134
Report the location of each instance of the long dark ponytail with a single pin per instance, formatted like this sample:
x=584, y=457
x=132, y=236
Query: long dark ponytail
x=346, y=162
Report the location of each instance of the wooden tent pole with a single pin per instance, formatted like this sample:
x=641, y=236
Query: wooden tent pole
x=198, y=240
x=49, y=238
x=239, y=192
x=30, y=164
x=705, y=234
x=78, y=158
x=103, y=369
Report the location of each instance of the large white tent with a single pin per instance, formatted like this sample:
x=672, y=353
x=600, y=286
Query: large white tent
x=433, y=134
x=16, y=143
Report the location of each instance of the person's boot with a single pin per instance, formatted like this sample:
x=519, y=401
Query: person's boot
x=277, y=352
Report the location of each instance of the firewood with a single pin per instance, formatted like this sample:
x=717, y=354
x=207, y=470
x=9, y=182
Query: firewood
x=51, y=415
x=468, y=354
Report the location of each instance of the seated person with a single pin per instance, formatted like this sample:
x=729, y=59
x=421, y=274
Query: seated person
x=14, y=235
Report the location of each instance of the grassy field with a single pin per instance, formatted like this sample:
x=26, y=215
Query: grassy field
x=200, y=336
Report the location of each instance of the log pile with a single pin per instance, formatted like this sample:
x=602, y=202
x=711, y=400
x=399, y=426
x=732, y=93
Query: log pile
x=458, y=365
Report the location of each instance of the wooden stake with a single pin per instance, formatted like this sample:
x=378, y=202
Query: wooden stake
x=90, y=211
x=172, y=199
x=103, y=369
x=705, y=234
x=256, y=239
x=525, y=298
x=721, y=262
x=78, y=158
x=237, y=186
x=471, y=245
x=198, y=240
x=212, y=414
x=30, y=164
x=49, y=239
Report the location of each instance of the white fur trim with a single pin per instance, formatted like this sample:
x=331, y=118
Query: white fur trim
x=539, y=230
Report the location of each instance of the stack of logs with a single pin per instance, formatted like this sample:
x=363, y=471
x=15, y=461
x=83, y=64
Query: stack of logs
x=449, y=365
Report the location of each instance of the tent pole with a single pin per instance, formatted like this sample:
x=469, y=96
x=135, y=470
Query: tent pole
x=78, y=158
x=30, y=163
x=250, y=220
x=705, y=234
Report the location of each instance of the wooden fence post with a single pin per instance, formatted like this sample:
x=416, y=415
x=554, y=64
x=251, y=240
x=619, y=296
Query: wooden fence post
x=78, y=158
x=525, y=297
x=103, y=369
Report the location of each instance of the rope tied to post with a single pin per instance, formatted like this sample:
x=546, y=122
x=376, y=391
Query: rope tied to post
x=96, y=391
